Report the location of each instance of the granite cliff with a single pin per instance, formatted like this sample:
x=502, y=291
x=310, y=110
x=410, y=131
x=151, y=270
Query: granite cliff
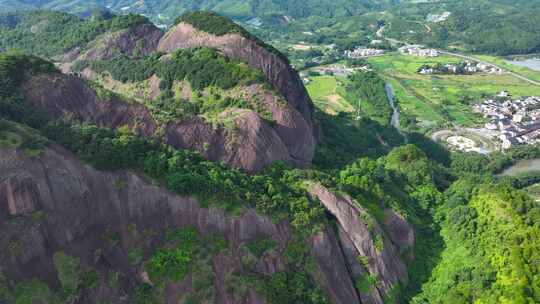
x=54, y=203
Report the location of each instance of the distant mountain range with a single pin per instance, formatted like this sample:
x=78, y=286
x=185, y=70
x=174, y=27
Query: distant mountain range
x=164, y=11
x=485, y=26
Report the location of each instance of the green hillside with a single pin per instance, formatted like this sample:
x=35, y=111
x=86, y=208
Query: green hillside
x=47, y=33
x=498, y=27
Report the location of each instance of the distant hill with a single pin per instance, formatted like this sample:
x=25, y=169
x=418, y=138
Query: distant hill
x=499, y=27
x=164, y=11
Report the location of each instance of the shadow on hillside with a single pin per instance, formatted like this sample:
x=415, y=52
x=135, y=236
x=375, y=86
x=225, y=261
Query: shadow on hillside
x=343, y=139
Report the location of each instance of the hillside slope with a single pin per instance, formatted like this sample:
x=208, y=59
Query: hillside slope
x=165, y=11
x=244, y=105
x=67, y=209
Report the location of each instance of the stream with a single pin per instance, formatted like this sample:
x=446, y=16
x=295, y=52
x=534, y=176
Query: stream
x=394, y=121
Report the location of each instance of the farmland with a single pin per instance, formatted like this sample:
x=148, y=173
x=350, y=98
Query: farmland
x=327, y=92
x=438, y=101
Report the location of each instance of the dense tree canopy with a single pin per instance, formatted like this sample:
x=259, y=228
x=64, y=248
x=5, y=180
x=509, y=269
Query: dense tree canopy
x=47, y=33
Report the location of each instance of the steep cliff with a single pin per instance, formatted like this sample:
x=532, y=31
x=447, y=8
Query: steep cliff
x=284, y=124
x=251, y=144
x=371, y=252
x=139, y=40
x=276, y=69
x=54, y=206
x=76, y=234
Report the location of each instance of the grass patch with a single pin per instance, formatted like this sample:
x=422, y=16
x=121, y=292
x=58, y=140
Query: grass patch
x=67, y=268
x=172, y=262
x=31, y=292
x=9, y=140
x=365, y=283
x=327, y=94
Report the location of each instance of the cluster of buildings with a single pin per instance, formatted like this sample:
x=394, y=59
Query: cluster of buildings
x=337, y=70
x=474, y=67
x=436, y=18
x=418, y=50
x=516, y=121
x=362, y=52
x=466, y=67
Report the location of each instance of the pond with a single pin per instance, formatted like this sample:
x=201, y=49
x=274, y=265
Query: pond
x=523, y=166
x=533, y=64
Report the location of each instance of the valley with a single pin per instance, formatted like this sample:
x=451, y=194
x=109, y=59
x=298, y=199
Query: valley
x=294, y=154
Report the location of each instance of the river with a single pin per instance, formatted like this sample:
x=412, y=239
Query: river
x=523, y=166
x=532, y=63
x=394, y=121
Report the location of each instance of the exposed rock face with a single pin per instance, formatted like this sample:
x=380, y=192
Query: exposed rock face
x=60, y=96
x=79, y=205
x=331, y=267
x=358, y=271
x=400, y=231
x=139, y=40
x=20, y=195
x=277, y=71
x=368, y=238
x=293, y=129
x=250, y=145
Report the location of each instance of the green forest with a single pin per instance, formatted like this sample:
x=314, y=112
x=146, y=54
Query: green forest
x=476, y=233
x=47, y=33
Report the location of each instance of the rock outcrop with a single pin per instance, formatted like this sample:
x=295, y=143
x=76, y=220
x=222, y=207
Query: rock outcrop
x=364, y=240
x=139, y=40
x=277, y=71
x=250, y=144
x=53, y=202
x=288, y=101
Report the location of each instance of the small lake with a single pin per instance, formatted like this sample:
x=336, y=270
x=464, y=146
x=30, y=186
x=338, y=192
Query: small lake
x=523, y=167
x=533, y=64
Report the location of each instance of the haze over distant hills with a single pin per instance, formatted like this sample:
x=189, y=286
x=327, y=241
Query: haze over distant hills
x=166, y=10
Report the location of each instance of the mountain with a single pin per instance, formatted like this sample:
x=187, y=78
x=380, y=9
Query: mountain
x=79, y=234
x=165, y=11
x=102, y=199
x=190, y=166
x=486, y=26
x=227, y=110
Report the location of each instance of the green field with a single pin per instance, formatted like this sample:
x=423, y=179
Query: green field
x=443, y=100
x=327, y=94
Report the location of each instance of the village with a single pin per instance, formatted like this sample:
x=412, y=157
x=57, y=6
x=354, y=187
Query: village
x=515, y=122
x=418, y=50
x=462, y=68
x=363, y=52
